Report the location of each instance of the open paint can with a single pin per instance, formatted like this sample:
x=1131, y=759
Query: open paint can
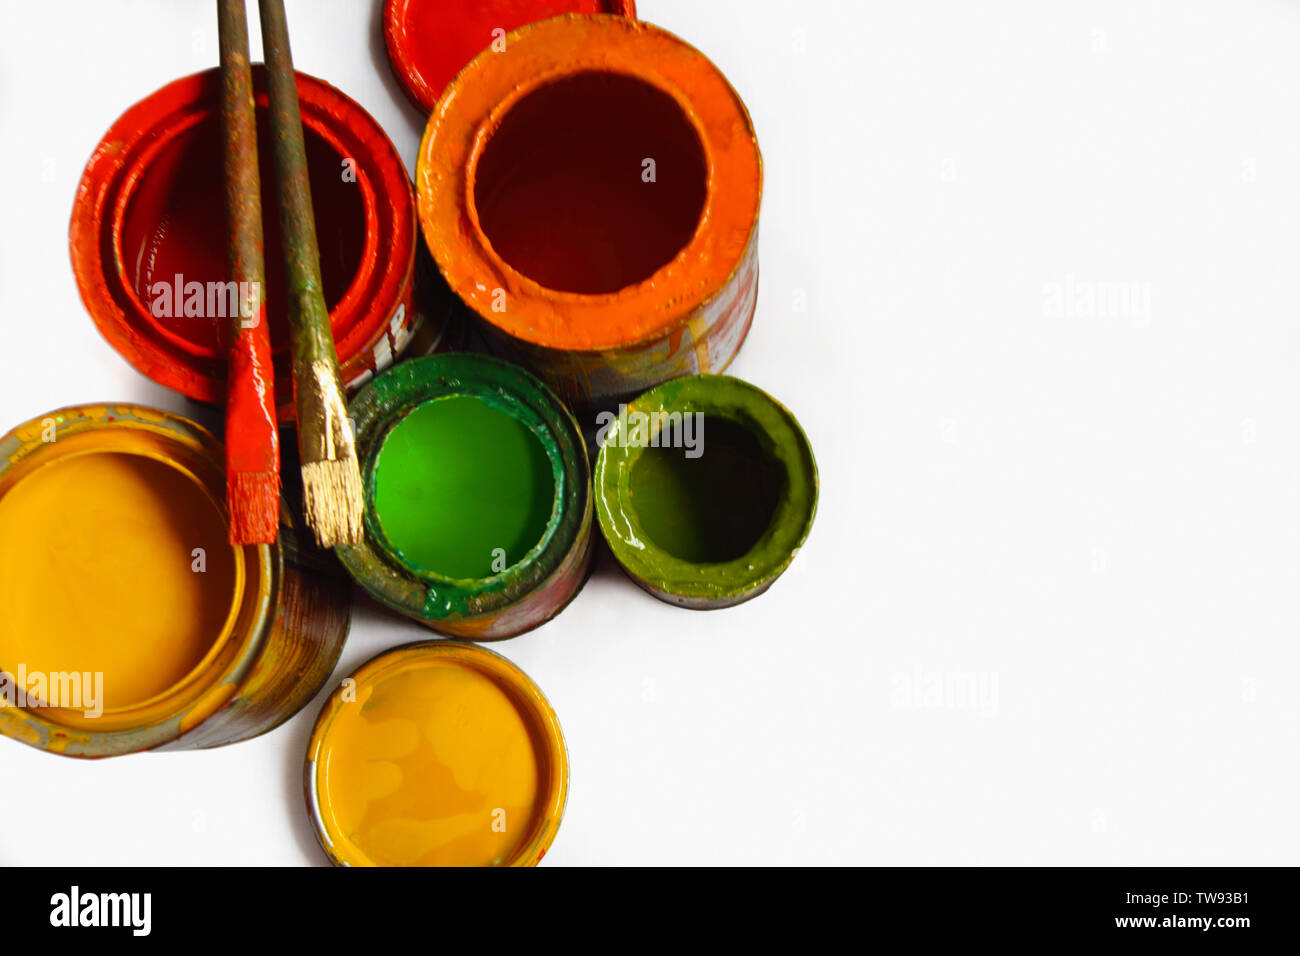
x=130, y=622
x=478, y=514
x=705, y=489
x=430, y=41
x=148, y=239
x=591, y=191
x=437, y=754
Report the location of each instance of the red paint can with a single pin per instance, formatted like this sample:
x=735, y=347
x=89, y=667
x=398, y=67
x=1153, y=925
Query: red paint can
x=430, y=41
x=148, y=235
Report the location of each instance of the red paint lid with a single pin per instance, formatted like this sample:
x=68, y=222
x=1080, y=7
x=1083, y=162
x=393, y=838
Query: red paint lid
x=430, y=41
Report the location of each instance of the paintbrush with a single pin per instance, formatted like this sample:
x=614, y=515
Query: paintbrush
x=331, y=479
x=252, y=442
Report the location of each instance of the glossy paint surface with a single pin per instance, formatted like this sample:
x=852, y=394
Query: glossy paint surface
x=98, y=573
x=461, y=486
x=522, y=591
x=441, y=755
x=115, y=559
x=712, y=508
x=174, y=224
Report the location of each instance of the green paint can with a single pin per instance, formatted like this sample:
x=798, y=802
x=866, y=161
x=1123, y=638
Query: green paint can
x=478, y=519
x=706, y=488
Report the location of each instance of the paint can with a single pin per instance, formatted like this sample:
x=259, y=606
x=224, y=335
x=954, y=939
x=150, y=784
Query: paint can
x=706, y=488
x=430, y=41
x=116, y=573
x=478, y=518
x=591, y=191
x=148, y=232
x=437, y=754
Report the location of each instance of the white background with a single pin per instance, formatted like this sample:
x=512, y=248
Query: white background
x=1092, y=515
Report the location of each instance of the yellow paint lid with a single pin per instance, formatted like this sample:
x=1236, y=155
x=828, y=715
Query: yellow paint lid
x=437, y=754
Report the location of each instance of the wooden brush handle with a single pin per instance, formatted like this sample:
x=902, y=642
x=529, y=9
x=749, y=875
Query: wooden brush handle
x=308, y=314
x=239, y=127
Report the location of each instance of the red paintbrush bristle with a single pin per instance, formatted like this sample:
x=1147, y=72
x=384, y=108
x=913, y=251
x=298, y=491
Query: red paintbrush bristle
x=253, y=498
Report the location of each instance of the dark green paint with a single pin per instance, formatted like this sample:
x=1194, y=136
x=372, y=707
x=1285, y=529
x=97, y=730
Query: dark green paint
x=712, y=508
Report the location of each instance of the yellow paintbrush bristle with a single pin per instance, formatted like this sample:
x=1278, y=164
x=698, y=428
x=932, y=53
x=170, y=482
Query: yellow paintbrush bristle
x=333, y=500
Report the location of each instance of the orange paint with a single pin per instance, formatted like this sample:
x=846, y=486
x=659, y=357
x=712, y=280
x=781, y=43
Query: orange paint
x=439, y=755
x=592, y=192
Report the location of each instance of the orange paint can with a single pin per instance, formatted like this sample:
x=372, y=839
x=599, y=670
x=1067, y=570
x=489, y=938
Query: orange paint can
x=590, y=188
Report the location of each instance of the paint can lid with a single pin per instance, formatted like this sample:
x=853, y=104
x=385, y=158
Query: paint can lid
x=430, y=41
x=438, y=753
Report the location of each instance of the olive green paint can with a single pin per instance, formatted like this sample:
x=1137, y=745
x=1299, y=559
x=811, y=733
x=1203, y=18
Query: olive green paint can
x=706, y=488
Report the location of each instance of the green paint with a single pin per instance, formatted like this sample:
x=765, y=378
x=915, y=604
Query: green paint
x=519, y=596
x=711, y=508
x=456, y=482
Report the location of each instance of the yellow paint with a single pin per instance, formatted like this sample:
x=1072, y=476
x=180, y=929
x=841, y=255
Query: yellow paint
x=97, y=573
x=433, y=764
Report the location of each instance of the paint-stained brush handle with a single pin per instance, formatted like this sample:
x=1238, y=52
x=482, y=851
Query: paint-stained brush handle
x=252, y=441
x=301, y=252
x=326, y=444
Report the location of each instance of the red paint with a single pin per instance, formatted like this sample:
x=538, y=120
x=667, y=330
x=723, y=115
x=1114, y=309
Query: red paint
x=246, y=447
x=150, y=205
x=252, y=438
x=429, y=41
x=561, y=188
x=172, y=221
